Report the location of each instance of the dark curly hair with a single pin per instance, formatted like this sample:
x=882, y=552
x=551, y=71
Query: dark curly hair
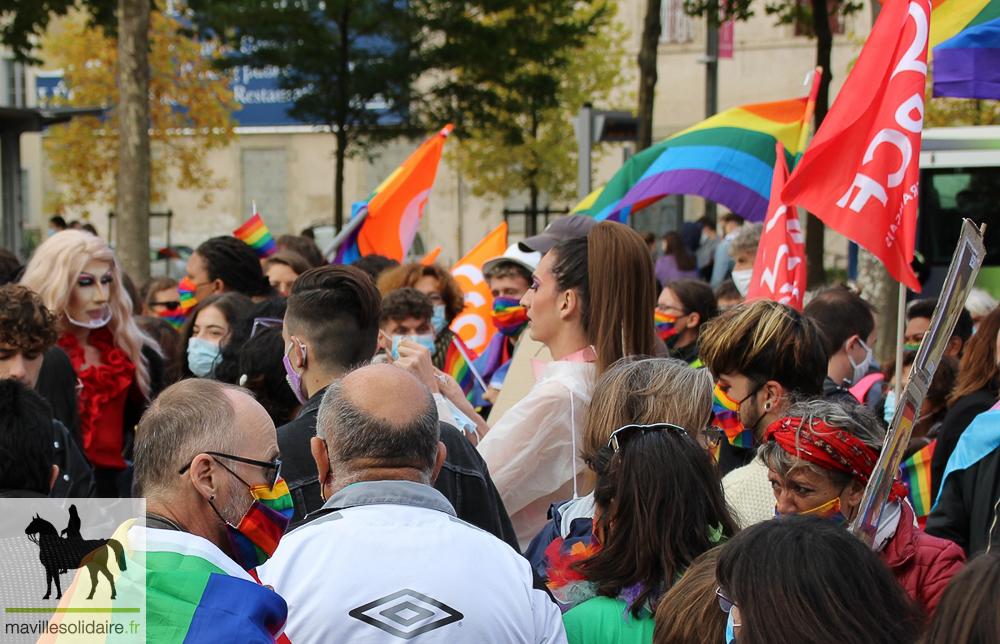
x=404, y=303
x=25, y=323
x=236, y=264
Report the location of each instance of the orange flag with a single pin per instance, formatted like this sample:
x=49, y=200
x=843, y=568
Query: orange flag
x=394, y=212
x=431, y=256
x=475, y=324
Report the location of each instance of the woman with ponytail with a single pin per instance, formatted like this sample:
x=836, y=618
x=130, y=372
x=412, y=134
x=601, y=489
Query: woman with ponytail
x=119, y=368
x=588, y=303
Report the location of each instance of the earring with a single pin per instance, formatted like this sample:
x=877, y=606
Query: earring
x=211, y=498
x=767, y=406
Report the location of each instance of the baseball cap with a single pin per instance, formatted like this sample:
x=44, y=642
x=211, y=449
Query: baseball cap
x=566, y=227
x=517, y=256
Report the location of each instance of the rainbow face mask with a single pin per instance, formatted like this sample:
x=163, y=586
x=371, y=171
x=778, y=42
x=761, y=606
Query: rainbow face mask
x=186, y=291
x=176, y=317
x=256, y=537
x=829, y=511
x=509, y=316
x=665, y=325
x=911, y=346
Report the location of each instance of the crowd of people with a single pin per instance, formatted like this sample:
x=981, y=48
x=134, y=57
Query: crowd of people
x=676, y=466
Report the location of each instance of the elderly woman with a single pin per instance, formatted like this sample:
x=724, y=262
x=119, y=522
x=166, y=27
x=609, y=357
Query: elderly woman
x=743, y=250
x=820, y=457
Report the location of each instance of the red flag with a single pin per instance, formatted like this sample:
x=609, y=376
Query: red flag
x=779, y=271
x=860, y=173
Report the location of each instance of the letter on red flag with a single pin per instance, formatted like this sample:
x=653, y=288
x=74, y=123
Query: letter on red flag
x=779, y=271
x=860, y=173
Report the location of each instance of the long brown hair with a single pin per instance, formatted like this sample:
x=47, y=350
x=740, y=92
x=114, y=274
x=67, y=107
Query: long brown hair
x=979, y=360
x=675, y=246
x=410, y=274
x=689, y=613
x=622, y=294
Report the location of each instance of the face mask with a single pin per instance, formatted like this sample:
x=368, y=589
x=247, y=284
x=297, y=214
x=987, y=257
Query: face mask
x=742, y=280
x=861, y=368
x=93, y=323
x=890, y=405
x=509, y=317
x=256, y=537
x=202, y=357
x=186, y=291
x=665, y=325
x=731, y=629
x=175, y=318
x=911, y=346
x=293, y=379
x=829, y=511
x=425, y=340
x=437, y=319
x=727, y=414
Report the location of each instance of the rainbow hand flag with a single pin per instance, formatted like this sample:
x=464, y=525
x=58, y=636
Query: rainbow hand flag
x=255, y=233
x=458, y=365
x=915, y=473
x=725, y=410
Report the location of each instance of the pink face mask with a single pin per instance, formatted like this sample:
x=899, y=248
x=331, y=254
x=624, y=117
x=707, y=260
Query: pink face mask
x=294, y=380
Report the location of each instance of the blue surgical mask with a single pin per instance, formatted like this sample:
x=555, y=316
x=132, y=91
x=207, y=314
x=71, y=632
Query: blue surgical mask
x=731, y=629
x=425, y=340
x=202, y=356
x=438, y=320
x=890, y=405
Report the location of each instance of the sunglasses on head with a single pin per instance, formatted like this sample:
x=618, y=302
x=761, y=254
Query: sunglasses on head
x=170, y=306
x=623, y=435
x=265, y=323
x=725, y=603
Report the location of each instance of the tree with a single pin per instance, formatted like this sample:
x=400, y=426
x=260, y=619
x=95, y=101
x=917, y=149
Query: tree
x=813, y=18
x=347, y=61
x=648, y=53
x=190, y=107
x=526, y=144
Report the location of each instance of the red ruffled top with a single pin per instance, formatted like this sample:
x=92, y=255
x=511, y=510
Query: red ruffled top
x=102, y=399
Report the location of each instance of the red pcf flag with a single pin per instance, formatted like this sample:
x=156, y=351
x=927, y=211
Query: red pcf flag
x=860, y=173
x=779, y=271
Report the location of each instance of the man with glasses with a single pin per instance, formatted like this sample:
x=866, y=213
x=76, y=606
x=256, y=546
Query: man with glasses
x=207, y=462
x=386, y=558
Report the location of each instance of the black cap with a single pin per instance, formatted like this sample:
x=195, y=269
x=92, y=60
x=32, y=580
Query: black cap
x=563, y=228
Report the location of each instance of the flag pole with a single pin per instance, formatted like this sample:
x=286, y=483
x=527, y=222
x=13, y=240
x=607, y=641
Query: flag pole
x=254, y=203
x=349, y=228
x=900, y=330
x=468, y=361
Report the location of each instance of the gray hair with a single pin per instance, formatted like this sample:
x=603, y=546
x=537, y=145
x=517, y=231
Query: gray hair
x=857, y=420
x=188, y=418
x=746, y=240
x=351, y=433
x=980, y=303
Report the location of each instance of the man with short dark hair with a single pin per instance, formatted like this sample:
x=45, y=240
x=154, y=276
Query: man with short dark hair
x=26, y=454
x=331, y=325
x=850, y=328
x=416, y=571
x=918, y=322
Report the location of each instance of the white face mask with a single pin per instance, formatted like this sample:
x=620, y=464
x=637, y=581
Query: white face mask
x=861, y=368
x=742, y=279
x=93, y=323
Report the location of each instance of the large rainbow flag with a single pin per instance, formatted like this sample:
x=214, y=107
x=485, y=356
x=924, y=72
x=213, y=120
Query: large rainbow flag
x=915, y=473
x=949, y=17
x=967, y=65
x=396, y=206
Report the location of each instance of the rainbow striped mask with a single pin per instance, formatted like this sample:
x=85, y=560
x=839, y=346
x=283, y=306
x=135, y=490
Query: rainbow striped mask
x=509, y=316
x=665, y=325
x=262, y=526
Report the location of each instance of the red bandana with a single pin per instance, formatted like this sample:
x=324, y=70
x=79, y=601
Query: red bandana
x=829, y=447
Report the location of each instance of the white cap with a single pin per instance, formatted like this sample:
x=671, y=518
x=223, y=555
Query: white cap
x=528, y=260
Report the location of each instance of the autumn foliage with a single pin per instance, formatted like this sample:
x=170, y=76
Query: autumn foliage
x=190, y=106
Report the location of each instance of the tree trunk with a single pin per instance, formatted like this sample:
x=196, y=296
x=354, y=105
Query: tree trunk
x=647, y=73
x=879, y=289
x=132, y=197
x=343, y=108
x=338, y=180
x=815, y=273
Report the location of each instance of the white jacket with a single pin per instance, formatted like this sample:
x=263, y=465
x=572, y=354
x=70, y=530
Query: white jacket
x=389, y=562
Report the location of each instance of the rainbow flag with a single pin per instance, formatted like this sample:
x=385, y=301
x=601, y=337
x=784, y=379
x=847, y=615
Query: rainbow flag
x=185, y=589
x=725, y=411
x=915, y=473
x=255, y=233
x=458, y=364
x=396, y=206
x=728, y=158
x=949, y=17
x=968, y=65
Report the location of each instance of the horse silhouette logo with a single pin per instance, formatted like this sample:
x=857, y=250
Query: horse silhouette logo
x=59, y=554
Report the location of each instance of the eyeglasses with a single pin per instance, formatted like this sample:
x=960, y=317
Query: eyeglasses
x=272, y=468
x=261, y=323
x=725, y=603
x=170, y=306
x=623, y=435
x=711, y=436
x=664, y=308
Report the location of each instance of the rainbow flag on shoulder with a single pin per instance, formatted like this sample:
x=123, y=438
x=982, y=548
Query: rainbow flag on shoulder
x=915, y=472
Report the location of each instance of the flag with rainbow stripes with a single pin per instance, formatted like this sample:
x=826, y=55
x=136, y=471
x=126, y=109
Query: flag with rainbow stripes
x=915, y=473
x=255, y=233
x=458, y=364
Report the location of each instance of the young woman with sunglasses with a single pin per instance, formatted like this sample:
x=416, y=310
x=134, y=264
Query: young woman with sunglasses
x=658, y=505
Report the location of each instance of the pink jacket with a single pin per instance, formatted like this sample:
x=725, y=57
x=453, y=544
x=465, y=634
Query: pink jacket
x=923, y=564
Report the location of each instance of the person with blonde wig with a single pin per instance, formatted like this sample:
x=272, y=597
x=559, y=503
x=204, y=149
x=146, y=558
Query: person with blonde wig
x=589, y=303
x=118, y=367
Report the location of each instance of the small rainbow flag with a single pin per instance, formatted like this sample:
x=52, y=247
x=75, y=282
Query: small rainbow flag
x=255, y=233
x=458, y=365
x=186, y=291
x=915, y=473
x=725, y=410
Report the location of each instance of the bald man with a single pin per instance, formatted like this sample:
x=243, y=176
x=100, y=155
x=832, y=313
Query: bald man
x=386, y=558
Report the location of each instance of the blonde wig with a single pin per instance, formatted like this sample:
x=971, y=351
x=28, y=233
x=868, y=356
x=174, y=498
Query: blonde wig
x=52, y=272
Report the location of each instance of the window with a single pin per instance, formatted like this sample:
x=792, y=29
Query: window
x=16, y=83
x=676, y=26
x=948, y=195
